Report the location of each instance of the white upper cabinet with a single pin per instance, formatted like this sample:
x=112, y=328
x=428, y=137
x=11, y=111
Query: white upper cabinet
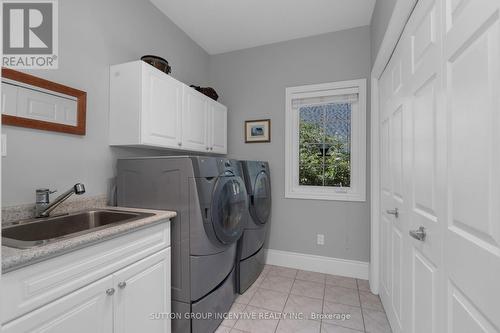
x=162, y=103
x=218, y=127
x=149, y=108
x=195, y=121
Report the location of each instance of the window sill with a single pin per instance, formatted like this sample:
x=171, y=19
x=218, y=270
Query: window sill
x=331, y=196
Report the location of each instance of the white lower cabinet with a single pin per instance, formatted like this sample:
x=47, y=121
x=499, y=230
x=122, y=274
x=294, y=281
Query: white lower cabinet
x=128, y=301
x=142, y=295
x=88, y=309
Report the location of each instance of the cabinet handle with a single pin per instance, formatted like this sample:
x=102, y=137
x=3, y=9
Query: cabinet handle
x=122, y=284
x=110, y=291
x=208, y=148
x=179, y=143
x=211, y=148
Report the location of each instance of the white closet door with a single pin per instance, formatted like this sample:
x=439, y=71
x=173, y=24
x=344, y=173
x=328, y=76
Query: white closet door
x=411, y=289
x=393, y=215
x=472, y=234
x=426, y=176
x=440, y=166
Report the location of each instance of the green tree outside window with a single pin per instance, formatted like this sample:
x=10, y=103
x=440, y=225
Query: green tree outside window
x=324, y=159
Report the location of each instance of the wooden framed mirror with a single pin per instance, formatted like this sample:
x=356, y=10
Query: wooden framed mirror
x=33, y=102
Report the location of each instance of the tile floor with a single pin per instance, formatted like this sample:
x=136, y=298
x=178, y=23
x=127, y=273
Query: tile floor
x=281, y=290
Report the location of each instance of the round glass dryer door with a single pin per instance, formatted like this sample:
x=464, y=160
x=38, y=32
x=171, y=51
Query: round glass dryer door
x=229, y=203
x=260, y=205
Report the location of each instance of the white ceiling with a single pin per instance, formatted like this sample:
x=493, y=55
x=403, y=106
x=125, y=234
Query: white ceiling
x=227, y=25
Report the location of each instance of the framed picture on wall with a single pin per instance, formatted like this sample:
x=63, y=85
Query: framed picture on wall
x=258, y=131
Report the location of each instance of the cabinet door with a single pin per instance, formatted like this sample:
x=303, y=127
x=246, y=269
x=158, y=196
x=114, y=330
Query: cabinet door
x=218, y=128
x=39, y=105
x=88, y=309
x=162, y=108
x=194, y=121
x=142, y=299
x=9, y=99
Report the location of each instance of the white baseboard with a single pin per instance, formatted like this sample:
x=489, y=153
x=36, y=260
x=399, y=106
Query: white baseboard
x=309, y=262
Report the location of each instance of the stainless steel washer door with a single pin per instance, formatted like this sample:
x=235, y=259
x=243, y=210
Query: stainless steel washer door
x=229, y=204
x=260, y=200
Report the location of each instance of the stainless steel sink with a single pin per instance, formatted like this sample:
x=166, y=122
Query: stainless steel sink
x=41, y=231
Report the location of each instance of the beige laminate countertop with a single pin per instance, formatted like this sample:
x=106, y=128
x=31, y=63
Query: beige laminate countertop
x=13, y=258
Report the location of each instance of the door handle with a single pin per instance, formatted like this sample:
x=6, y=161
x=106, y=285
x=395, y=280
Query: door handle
x=419, y=234
x=394, y=212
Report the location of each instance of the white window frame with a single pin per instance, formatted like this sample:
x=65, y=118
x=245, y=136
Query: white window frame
x=357, y=190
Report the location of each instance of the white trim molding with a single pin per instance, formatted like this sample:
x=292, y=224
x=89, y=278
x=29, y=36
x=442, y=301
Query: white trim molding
x=357, y=189
x=313, y=263
x=400, y=15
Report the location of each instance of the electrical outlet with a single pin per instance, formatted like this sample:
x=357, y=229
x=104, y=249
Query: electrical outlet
x=320, y=239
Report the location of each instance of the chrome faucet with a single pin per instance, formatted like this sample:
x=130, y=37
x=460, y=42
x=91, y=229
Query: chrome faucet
x=43, y=207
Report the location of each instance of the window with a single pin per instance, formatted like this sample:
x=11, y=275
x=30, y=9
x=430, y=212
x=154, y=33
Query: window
x=326, y=141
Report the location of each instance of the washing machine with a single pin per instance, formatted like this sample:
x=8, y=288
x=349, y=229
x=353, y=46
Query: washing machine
x=250, y=249
x=210, y=198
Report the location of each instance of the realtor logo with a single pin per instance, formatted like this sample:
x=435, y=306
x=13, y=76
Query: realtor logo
x=30, y=34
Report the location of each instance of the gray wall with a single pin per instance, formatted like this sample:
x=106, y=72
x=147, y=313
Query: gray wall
x=380, y=20
x=92, y=36
x=95, y=34
x=252, y=84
